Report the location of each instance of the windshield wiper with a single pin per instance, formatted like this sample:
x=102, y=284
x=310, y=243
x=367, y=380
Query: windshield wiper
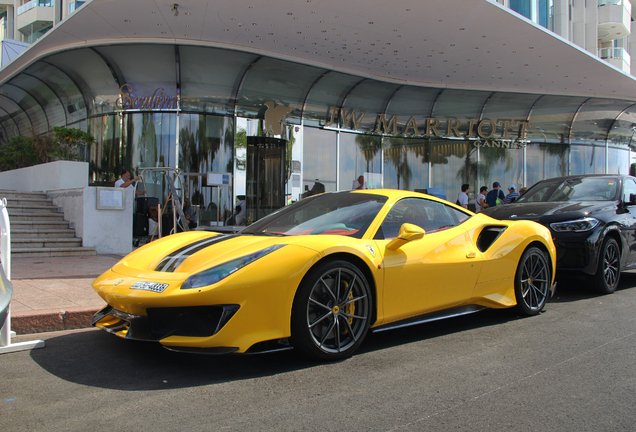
x=265, y=234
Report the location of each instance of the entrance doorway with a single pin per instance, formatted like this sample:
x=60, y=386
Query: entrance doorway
x=265, y=176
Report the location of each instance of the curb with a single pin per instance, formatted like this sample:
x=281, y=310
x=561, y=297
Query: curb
x=51, y=320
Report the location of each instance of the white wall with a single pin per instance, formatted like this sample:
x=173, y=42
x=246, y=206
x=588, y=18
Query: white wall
x=108, y=231
x=46, y=177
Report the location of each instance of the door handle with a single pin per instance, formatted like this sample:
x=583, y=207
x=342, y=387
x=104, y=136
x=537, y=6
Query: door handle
x=471, y=255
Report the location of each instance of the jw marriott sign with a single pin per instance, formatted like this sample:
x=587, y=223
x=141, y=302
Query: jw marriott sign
x=485, y=129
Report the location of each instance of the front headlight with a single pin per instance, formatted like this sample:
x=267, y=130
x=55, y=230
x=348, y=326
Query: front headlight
x=215, y=274
x=579, y=225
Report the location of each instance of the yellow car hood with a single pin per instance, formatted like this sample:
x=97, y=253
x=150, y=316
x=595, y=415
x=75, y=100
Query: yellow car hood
x=189, y=253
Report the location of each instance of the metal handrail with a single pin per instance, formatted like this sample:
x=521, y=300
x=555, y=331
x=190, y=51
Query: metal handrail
x=5, y=254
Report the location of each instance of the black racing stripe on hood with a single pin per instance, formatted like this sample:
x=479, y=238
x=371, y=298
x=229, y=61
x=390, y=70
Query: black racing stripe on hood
x=172, y=261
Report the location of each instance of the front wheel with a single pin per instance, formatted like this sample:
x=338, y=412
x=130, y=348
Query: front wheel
x=609, y=266
x=532, y=281
x=332, y=311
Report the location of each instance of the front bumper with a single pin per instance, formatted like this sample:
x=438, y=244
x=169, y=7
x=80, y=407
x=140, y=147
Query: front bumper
x=577, y=252
x=160, y=323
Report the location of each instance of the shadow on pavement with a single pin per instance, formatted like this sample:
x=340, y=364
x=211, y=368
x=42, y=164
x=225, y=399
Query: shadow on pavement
x=575, y=288
x=96, y=358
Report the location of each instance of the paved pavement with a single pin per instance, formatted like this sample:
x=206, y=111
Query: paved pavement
x=54, y=294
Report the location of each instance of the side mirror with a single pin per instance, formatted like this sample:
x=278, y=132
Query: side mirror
x=632, y=199
x=408, y=233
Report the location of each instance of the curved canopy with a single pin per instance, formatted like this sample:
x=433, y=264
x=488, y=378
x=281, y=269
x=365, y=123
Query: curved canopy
x=66, y=88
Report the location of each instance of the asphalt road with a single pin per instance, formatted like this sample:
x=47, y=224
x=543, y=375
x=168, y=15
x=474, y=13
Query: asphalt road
x=571, y=368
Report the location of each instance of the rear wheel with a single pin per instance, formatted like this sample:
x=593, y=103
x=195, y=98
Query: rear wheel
x=532, y=281
x=609, y=267
x=332, y=311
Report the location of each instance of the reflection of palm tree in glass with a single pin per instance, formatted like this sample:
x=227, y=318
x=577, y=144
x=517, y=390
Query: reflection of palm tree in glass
x=397, y=152
x=147, y=142
x=187, y=143
x=489, y=157
x=369, y=145
x=560, y=151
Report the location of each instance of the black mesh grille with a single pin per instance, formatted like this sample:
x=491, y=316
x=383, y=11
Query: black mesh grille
x=197, y=321
x=571, y=257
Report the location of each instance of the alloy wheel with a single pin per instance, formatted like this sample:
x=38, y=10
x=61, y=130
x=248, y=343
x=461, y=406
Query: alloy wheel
x=338, y=310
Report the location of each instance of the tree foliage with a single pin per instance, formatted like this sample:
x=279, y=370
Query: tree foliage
x=24, y=151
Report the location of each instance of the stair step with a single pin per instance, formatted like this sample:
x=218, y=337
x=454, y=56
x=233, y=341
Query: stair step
x=51, y=252
x=27, y=217
x=39, y=225
x=46, y=243
x=28, y=201
x=26, y=195
x=13, y=209
x=24, y=233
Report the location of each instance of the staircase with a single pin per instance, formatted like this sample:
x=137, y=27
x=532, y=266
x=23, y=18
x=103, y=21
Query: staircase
x=38, y=228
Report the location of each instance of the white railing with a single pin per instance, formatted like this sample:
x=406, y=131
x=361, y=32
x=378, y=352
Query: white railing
x=610, y=2
x=5, y=254
x=614, y=53
x=34, y=3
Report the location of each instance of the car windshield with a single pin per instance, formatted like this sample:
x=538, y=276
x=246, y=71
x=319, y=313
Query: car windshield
x=343, y=213
x=573, y=189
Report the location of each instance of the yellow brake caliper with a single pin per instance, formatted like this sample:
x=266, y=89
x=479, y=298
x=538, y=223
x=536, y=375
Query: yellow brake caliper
x=351, y=307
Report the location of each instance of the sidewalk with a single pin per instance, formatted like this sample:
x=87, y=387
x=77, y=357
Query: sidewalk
x=53, y=294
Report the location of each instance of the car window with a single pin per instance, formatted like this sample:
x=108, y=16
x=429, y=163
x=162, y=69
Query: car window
x=342, y=213
x=431, y=216
x=573, y=189
x=628, y=188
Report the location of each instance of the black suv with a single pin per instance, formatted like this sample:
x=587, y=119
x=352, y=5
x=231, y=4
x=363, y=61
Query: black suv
x=592, y=219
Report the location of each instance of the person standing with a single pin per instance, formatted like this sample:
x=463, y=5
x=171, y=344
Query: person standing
x=462, y=197
x=480, y=201
x=496, y=196
x=358, y=184
x=190, y=213
x=126, y=182
x=512, y=194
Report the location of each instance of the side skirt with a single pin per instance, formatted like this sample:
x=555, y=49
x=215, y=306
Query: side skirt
x=434, y=316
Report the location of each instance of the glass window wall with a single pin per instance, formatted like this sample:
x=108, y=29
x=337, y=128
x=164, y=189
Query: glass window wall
x=360, y=155
x=545, y=161
x=105, y=162
x=587, y=159
x=319, y=168
x=406, y=163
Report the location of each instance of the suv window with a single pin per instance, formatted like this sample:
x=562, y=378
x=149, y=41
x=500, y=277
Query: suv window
x=629, y=187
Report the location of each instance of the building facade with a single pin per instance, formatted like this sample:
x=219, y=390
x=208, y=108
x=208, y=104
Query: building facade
x=283, y=126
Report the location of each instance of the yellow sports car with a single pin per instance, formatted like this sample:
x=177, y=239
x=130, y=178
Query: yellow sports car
x=317, y=275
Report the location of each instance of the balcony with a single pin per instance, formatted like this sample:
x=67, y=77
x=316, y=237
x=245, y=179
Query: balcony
x=614, y=19
x=618, y=57
x=35, y=18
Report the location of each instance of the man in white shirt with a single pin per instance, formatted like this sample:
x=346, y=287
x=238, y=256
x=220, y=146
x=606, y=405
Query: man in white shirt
x=480, y=201
x=358, y=184
x=462, y=197
x=126, y=182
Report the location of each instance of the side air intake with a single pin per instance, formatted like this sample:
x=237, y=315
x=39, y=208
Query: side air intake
x=488, y=236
